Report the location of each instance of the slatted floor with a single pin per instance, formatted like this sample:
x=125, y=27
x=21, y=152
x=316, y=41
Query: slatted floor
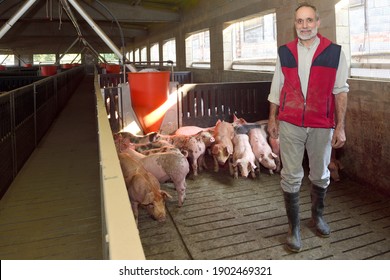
x=223, y=218
x=52, y=209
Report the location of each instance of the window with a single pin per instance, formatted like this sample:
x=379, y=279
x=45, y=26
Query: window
x=70, y=58
x=110, y=58
x=130, y=56
x=136, y=56
x=198, y=50
x=154, y=54
x=44, y=58
x=169, y=51
x=7, y=59
x=369, y=34
x=250, y=43
x=144, y=56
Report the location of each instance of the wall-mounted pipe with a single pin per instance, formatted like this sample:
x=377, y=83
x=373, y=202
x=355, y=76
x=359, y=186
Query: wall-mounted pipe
x=7, y=26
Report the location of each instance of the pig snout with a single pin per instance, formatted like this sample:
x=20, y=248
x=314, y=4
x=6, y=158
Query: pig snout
x=268, y=163
x=157, y=211
x=243, y=170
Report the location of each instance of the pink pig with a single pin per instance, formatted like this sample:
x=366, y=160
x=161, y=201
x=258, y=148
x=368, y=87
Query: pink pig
x=262, y=149
x=243, y=157
x=143, y=188
x=222, y=150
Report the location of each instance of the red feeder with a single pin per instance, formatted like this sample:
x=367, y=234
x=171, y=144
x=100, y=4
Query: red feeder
x=148, y=92
x=113, y=68
x=48, y=70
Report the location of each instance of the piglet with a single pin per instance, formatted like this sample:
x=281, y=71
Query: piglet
x=243, y=157
x=262, y=149
x=222, y=150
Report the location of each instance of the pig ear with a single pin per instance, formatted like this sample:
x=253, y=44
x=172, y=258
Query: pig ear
x=234, y=118
x=218, y=121
x=165, y=195
x=274, y=155
x=148, y=199
x=229, y=150
x=214, y=150
x=184, y=152
x=261, y=156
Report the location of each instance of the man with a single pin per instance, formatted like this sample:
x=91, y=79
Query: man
x=308, y=101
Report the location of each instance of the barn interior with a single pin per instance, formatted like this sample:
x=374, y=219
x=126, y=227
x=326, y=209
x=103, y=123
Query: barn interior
x=50, y=208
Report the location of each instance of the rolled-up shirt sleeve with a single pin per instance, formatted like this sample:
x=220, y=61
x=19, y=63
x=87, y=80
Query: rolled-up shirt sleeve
x=341, y=84
x=277, y=84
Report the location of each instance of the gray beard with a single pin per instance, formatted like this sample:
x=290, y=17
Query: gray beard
x=314, y=32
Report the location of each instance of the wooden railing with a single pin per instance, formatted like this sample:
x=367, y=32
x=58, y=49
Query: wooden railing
x=203, y=104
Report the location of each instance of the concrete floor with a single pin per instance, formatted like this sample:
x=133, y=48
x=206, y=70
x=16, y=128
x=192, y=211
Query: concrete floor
x=52, y=209
x=244, y=218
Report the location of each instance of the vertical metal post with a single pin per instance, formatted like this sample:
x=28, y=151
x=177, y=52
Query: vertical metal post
x=35, y=115
x=13, y=134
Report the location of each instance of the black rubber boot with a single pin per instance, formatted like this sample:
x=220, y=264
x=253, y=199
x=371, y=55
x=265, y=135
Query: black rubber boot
x=317, y=210
x=293, y=241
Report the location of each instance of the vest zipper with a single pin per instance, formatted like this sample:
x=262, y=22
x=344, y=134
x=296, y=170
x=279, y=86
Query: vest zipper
x=284, y=101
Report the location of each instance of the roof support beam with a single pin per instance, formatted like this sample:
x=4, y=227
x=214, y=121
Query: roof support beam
x=7, y=26
x=101, y=33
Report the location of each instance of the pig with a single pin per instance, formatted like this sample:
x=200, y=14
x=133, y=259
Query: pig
x=241, y=126
x=163, y=150
x=334, y=167
x=238, y=121
x=222, y=150
x=195, y=145
x=166, y=166
x=179, y=140
x=123, y=143
x=243, y=157
x=138, y=139
x=262, y=149
x=143, y=188
x=196, y=149
x=275, y=146
x=191, y=130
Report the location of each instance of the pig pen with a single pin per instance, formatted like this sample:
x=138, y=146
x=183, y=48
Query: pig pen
x=244, y=218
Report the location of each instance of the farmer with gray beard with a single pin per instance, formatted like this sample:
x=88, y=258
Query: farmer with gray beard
x=308, y=101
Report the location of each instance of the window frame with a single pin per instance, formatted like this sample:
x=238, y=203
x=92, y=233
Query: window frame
x=259, y=63
x=166, y=52
x=203, y=36
x=365, y=68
